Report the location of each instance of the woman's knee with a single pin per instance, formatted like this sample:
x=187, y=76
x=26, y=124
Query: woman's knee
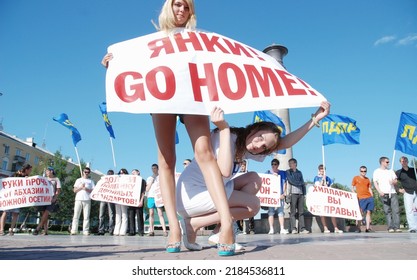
x=253, y=205
x=203, y=153
x=255, y=179
x=166, y=161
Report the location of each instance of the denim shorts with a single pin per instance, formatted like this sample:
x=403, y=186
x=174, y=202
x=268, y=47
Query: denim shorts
x=367, y=204
x=278, y=210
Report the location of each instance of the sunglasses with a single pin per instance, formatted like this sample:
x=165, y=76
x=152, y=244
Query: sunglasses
x=363, y=171
x=87, y=172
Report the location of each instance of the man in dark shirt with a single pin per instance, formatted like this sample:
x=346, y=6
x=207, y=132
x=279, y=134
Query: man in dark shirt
x=407, y=177
x=297, y=190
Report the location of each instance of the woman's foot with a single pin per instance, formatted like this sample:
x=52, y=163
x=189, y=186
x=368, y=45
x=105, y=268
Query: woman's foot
x=225, y=250
x=189, y=236
x=226, y=235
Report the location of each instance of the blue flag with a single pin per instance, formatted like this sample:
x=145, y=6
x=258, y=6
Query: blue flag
x=268, y=116
x=103, y=109
x=406, y=135
x=63, y=119
x=340, y=129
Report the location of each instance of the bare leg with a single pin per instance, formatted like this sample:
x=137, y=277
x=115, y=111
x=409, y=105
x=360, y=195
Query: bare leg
x=161, y=219
x=164, y=126
x=368, y=219
x=151, y=220
x=271, y=222
x=198, y=129
x=44, y=221
x=3, y=221
x=334, y=222
x=323, y=222
x=14, y=221
x=281, y=223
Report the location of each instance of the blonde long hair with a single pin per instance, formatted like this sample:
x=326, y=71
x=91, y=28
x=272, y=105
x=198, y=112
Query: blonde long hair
x=167, y=18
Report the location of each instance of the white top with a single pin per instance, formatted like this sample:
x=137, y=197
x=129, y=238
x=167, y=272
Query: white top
x=83, y=194
x=383, y=178
x=152, y=190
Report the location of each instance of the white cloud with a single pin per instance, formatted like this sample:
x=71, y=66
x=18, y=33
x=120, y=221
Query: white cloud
x=384, y=40
x=410, y=39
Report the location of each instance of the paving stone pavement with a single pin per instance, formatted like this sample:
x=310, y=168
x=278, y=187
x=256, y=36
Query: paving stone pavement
x=317, y=246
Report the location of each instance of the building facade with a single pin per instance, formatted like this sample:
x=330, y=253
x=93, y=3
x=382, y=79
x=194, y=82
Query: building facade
x=15, y=152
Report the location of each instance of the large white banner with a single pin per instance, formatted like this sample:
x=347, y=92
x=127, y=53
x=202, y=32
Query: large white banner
x=330, y=202
x=191, y=71
x=19, y=192
x=119, y=189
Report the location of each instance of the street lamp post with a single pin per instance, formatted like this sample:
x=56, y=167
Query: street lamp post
x=278, y=52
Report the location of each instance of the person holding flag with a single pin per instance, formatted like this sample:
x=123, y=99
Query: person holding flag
x=407, y=177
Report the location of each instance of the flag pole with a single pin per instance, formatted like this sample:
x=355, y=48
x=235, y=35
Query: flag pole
x=112, y=150
x=78, y=157
x=393, y=158
x=322, y=155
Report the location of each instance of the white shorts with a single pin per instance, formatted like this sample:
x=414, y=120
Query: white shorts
x=195, y=200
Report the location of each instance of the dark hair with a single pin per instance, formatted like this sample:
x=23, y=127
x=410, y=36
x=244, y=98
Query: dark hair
x=292, y=159
x=26, y=166
x=155, y=165
x=110, y=172
x=381, y=159
x=123, y=171
x=243, y=132
x=50, y=168
x=21, y=171
x=275, y=161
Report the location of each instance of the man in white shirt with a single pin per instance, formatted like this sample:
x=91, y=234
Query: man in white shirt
x=384, y=181
x=82, y=188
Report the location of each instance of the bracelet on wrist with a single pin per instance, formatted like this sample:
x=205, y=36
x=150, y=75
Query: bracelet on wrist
x=315, y=122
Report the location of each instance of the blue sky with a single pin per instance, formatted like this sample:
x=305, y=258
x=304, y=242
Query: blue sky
x=361, y=55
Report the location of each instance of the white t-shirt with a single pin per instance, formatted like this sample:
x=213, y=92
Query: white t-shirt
x=152, y=190
x=383, y=178
x=83, y=194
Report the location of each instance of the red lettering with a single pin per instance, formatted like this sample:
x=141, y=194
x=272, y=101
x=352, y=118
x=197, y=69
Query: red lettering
x=209, y=81
x=263, y=80
x=169, y=79
x=224, y=81
x=264, y=190
x=193, y=39
x=159, y=45
x=312, y=91
x=289, y=81
x=266, y=181
x=120, y=87
x=211, y=43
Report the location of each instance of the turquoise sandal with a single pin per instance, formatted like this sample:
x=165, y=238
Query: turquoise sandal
x=225, y=250
x=174, y=247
